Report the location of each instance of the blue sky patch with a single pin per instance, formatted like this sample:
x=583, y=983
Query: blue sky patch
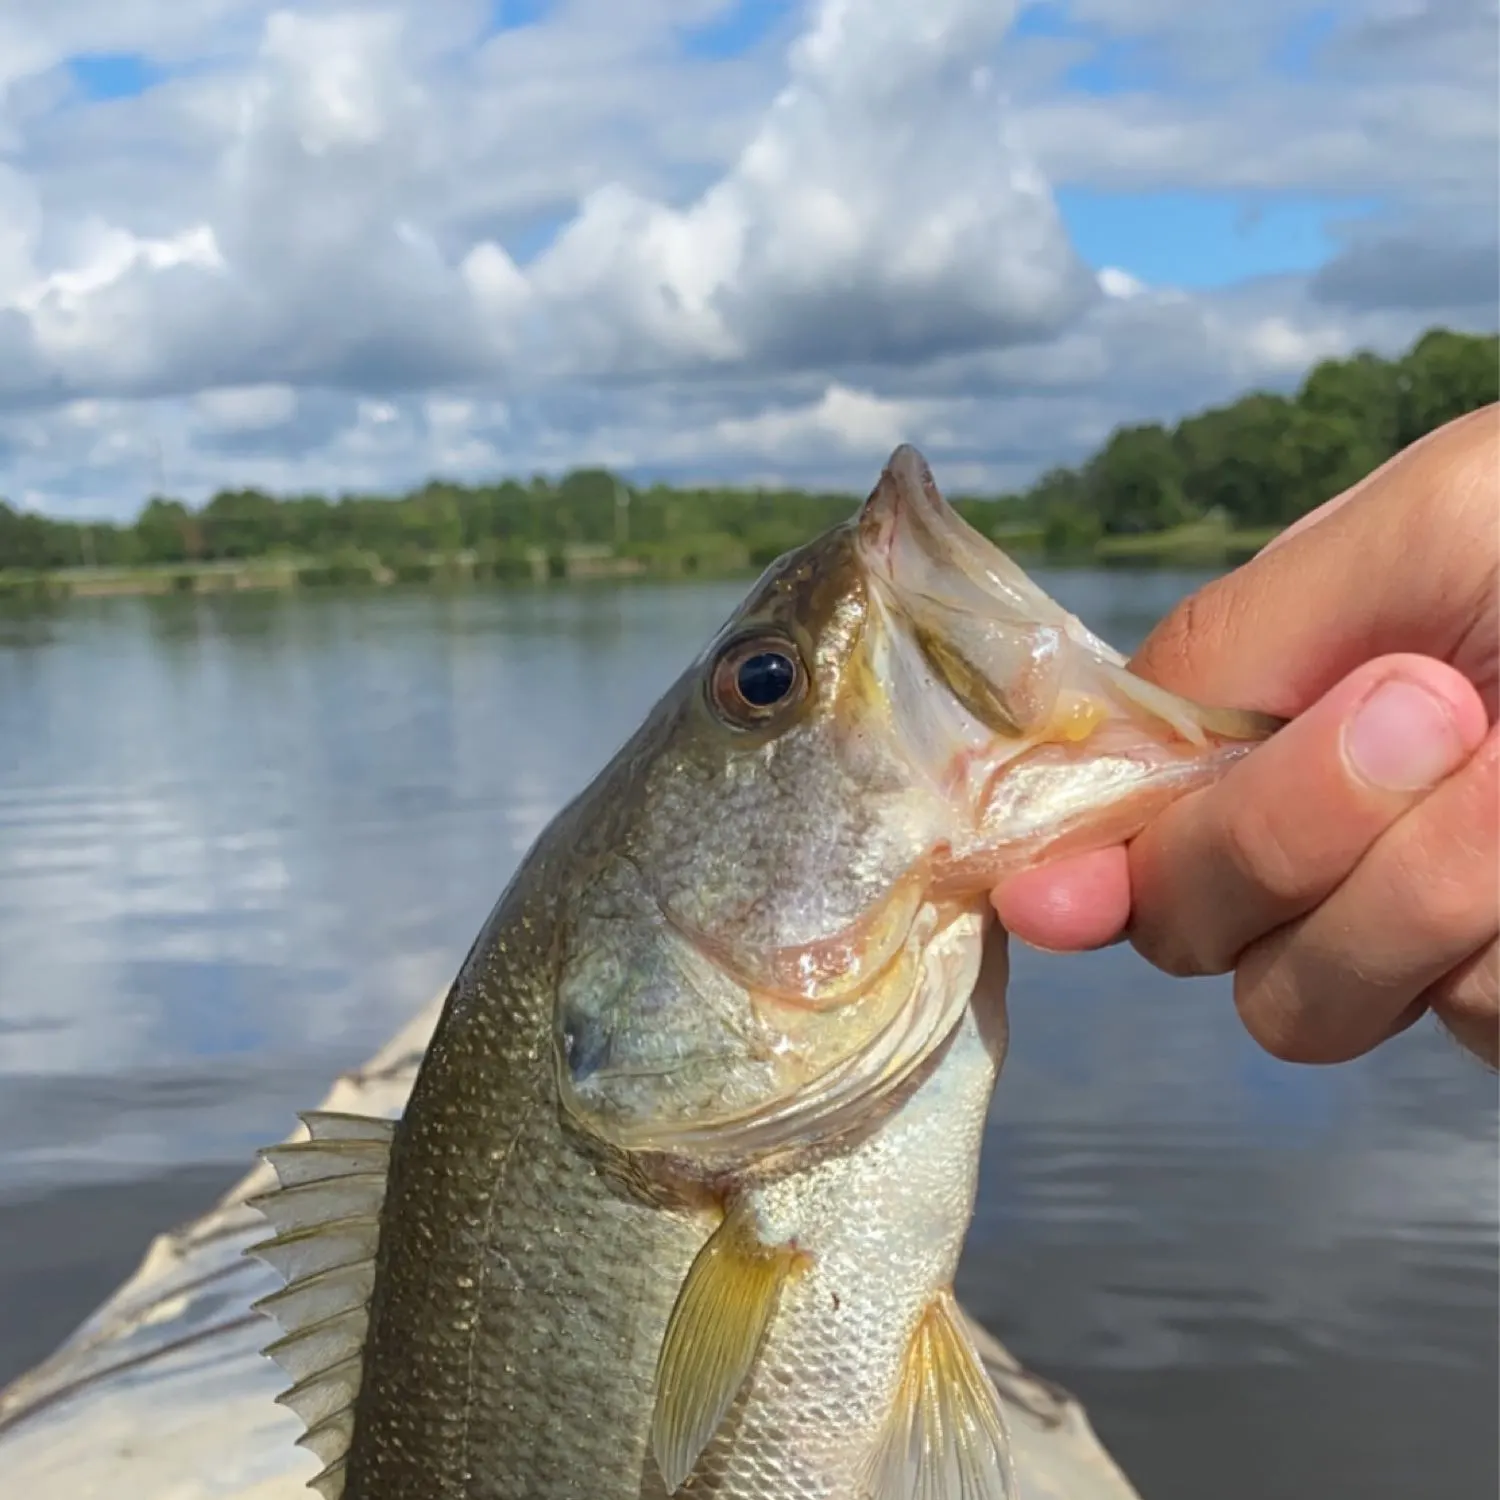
x=1201, y=239
x=1115, y=65
x=508, y=15
x=1297, y=52
x=114, y=75
x=1047, y=18
x=1118, y=64
x=525, y=244
x=738, y=29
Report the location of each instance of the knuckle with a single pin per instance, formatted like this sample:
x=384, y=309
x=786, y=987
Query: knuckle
x=1184, y=949
x=1292, y=1019
x=1471, y=987
x=1170, y=926
x=1443, y=872
x=1466, y=1002
x=1169, y=953
x=1443, y=909
x=1273, y=1018
x=1480, y=797
x=1237, y=873
x=1254, y=847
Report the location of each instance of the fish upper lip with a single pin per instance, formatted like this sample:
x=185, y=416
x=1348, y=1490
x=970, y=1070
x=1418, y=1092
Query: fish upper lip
x=904, y=493
x=923, y=556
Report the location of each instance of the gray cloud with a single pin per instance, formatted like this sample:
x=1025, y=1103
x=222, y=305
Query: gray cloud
x=1412, y=274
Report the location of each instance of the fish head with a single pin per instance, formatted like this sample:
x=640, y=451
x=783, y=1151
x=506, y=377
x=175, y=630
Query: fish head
x=780, y=915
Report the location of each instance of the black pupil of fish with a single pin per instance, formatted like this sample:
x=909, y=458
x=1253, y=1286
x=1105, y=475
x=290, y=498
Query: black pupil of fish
x=765, y=678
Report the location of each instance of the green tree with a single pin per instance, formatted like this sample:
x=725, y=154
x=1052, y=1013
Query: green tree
x=167, y=532
x=242, y=523
x=1135, y=483
x=438, y=517
x=1242, y=459
x=1362, y=393
x=1332, y=450
x=1443, y=377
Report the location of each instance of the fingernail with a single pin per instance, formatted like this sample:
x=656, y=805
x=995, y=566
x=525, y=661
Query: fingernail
x=1402, y=738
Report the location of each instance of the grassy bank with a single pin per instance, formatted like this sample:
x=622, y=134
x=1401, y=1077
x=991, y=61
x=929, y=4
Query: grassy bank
x=350, y=568
x=1202, y=543
x=1209, y=541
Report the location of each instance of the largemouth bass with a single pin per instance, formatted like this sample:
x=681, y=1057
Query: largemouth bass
x=676, y=1202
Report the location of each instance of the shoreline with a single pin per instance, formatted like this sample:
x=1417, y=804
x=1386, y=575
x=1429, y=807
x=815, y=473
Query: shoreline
x=1199, y=544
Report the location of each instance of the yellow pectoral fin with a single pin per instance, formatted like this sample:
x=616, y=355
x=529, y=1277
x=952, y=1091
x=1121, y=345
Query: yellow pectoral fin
x=721, y=1316
x=945, y=1437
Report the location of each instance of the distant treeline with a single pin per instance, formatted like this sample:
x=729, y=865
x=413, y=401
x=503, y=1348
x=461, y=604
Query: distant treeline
x=1253, y=465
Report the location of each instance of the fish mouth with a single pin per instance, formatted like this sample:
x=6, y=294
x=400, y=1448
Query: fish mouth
x=1017, y=713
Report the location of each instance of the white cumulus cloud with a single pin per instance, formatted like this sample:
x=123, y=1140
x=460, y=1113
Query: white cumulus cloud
x=348, y=246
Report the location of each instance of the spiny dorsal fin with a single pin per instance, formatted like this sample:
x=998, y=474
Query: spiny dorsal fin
x=945, y=1436
x=326, y=1212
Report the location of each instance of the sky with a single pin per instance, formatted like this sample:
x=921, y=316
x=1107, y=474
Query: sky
x=336, y=247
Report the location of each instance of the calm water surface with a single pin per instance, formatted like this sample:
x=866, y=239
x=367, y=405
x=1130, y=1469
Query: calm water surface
x=241, y=840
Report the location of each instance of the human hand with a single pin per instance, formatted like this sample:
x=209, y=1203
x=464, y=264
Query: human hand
x=1348, y=871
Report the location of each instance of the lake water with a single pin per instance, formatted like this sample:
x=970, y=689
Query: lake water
x=242, y=839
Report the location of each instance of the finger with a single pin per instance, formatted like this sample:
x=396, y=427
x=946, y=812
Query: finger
x=1426, y=896
x=1467, y=1001
x=1282, y=829
x=1075, y=903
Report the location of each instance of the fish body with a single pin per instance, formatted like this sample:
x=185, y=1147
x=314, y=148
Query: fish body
x=676, y=1202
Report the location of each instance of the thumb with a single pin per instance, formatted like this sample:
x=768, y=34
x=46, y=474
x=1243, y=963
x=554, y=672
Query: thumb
x=1405, y=562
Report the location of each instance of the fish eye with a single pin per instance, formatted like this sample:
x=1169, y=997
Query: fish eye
x=754, y=680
